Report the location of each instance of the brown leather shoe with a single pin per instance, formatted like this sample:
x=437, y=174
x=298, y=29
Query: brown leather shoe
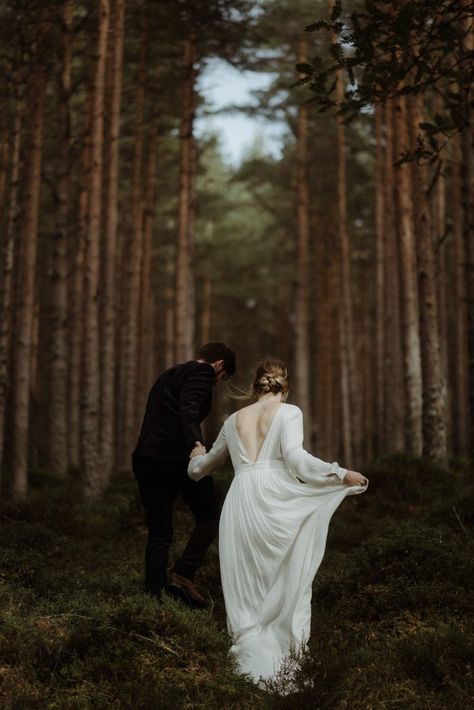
x=184, y=589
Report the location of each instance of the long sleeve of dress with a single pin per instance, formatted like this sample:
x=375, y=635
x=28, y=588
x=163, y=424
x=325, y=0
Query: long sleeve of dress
x=303, y=465
x=201, y=466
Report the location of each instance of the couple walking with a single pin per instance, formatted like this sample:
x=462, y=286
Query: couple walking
x=274, y=521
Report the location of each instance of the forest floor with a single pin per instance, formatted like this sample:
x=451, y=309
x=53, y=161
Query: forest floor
x=392, y=624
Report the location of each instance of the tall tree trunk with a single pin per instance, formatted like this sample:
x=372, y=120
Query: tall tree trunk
x=76, y=295
x=25, y=307
x=108, y=327
x=379, y=279
x=132, y=262
x=324, y=351
x=351, y=394
x=169, y=317
x=57, y=430
x=467, y=149
x=368, y=355
x=460, y=397
x=207, y=293
x=206, y=309
x=191, y=249
x=302, y=295
x=393, y=378
x=34, y=433
x=334, y=406
x=409, y=288
x=184, y=324
x=4, y=156
x=440, y=246
x=434, y=386
x=8, y=252
x=146, y=331
x=89, y=454
x=441, y=268
x=325, y=399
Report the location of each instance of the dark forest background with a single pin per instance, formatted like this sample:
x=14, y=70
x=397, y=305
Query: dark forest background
x=127, y=241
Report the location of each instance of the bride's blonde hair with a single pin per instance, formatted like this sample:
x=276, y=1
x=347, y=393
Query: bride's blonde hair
x=271, y=375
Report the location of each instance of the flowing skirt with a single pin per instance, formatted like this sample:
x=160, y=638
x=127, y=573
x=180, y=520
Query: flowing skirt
x=272, y=537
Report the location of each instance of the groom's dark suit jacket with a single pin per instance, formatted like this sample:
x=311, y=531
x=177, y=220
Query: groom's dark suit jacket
x=178, y=402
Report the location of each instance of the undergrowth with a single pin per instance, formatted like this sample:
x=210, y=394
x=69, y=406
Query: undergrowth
x=392, y=605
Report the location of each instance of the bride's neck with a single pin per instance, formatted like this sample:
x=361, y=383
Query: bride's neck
x=269, y=396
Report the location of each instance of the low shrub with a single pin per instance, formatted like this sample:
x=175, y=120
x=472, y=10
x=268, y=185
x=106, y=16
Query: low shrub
x=391, y=607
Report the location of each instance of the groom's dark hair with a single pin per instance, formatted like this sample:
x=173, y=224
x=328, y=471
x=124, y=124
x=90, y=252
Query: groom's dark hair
x=219, y=351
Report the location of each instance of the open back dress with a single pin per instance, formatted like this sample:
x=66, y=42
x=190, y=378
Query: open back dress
x=272, y=537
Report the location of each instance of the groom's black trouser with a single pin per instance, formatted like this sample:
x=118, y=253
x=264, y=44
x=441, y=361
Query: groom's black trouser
x=159, y=484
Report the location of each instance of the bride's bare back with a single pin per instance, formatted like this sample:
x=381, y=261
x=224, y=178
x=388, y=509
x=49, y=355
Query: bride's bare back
x=253, y=423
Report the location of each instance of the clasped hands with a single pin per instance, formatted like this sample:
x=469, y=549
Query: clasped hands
x=199, y=450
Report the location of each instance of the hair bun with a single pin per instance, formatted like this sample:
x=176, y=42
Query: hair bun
x=269, y=383
x=271, y=376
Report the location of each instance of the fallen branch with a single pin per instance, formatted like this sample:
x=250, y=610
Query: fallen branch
x=114, y=628
x=461, y=524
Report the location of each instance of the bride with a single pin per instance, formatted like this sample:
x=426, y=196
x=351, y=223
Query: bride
x=274, y=522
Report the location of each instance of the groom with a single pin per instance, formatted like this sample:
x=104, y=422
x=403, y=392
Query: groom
x=178, y=402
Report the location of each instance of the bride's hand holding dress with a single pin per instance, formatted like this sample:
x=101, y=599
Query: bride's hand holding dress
x=354, y=478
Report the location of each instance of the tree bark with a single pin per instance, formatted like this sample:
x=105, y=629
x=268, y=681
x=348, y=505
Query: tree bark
x=184, y=323
x=131, y=271
x=460, y=399
x=76, y=295
x=379, y=279
x=368, y=355
x=207, y=292
x=302, y=295
x=440, y=246
x=146, y=331
x=393, y=378
x=34, y=429
x=434, y=386
x=89, y=453
x=191, y=249
x=325, y=443
x=169, y=316
x=351, y=394
x=8, y=252
x=467, y=149
x=351, y=390
x=108, y=327
x=57, y=430
x=409, y=288
x=25, y=307
x=4, y=155
x=206, y=310
x=334, y=405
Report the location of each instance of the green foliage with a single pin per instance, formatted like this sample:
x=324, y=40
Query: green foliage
x=243, y=246
x=392, y=623
x=388, y=49
x=78, y=632
x=391, y=606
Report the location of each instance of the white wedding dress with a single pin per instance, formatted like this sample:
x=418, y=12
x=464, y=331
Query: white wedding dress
x=272, y=536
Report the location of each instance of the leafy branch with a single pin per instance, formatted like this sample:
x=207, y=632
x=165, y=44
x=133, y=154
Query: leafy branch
x=391, y=49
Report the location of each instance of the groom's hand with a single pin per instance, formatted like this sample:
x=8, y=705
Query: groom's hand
x=199, y=450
